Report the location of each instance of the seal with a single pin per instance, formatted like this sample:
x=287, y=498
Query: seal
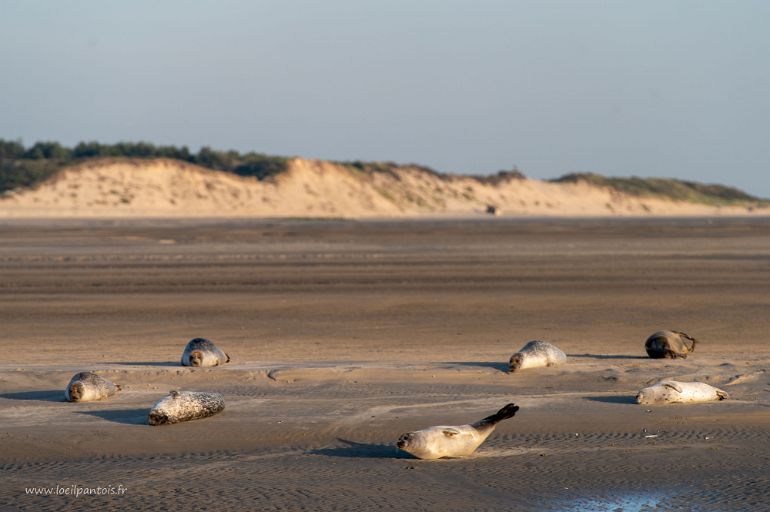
x=87, y=387
x=449, y=442
x=671, y=344
x=203, y=352
x=181, y=406
x=536, y=354
x=673, y=392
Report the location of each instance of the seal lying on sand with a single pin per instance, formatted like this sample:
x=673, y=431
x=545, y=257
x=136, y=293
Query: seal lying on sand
x=673, y=392
x=87, y=387
x=671, y=344
x=185, y=406
x=536, y=354
x=203, y=352
x=439, y=442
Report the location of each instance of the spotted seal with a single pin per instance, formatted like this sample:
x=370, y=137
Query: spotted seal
x=673, y=392
x=88, y=386
x=203, y=352
x=536, y=354
x=180, y=406
x=671, y=344
x=442, y=441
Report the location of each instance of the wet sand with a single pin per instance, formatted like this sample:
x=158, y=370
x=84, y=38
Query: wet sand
x=345, y=334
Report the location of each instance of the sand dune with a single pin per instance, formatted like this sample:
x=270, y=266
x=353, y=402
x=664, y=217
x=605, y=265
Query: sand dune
x=313, y=188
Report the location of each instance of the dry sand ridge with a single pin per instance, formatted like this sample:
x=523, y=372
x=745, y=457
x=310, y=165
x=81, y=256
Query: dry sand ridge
x=314, y=188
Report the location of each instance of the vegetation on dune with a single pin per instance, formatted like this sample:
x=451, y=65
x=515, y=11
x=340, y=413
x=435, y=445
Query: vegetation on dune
x=370, y=167
x=390, y=168
x=15, y=174
x=24, y=167
x=386, y=168
x=503, y=176
x=678, y=190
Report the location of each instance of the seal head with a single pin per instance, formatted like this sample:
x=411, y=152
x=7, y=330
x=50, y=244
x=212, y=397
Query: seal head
x=515, y=362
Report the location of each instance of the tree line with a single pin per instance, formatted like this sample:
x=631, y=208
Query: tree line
x=22, y=166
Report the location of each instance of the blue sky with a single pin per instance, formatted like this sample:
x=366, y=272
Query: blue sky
x=656, y=88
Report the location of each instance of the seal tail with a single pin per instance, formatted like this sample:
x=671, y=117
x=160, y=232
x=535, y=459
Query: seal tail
x=503, y=414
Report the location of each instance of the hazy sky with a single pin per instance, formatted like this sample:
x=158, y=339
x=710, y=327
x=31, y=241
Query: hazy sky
x=654, y=88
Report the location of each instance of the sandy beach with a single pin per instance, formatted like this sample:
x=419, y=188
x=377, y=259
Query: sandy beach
x=345, y=334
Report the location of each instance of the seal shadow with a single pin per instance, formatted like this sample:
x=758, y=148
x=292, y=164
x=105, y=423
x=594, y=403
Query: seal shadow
x=624, y=399
x=148, y=363
x=503, y=367
x=52, y=395
x=606, y=356
x=363, y=451
x=124, y=416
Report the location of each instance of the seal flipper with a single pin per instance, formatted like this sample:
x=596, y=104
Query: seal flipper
x=228, y=357
x=503, y=414
x=722, y=394
x=673, y=385
x=450, y=432
x=688, y=341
